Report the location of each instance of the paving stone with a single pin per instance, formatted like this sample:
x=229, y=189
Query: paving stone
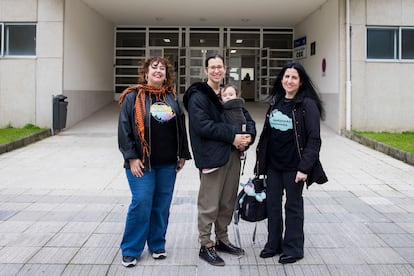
x=41, y=269
x=54, y=255
x=401, y=270
x=76, y=270
x=351, y=270
x=10, y=269
x=14, y=226
x=385, y=228
x=398, y=240
x=95, y=255
x=68, y=239
x=382, y=256
x=342, y=255
x=104, y=240
x=17, y=255
x=306, y=270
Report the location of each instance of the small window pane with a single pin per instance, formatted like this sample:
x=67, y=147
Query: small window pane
x=204, y=40
x=245, y=40
x=130, y=39
x=277, y=41
x=163, y=39
x=20, y=40
x=407, y=43
x=382, y=43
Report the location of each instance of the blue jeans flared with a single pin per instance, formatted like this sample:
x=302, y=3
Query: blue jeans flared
x=149, y=210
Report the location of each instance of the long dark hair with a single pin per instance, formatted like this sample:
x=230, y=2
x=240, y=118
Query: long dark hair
x=307, y=87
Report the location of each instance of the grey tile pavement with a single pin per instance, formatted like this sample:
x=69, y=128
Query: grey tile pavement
x=63, y=202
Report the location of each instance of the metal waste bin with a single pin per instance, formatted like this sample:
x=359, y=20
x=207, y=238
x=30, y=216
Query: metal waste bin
x=60, y=110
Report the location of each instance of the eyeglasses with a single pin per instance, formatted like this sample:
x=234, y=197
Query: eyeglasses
x=214, y=68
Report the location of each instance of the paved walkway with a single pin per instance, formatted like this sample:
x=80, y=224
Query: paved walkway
x=63, y=202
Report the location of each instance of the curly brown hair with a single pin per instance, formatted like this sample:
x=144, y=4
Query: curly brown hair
x=169, y=77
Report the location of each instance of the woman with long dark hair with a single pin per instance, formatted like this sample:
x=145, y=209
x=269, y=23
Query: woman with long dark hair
x=288, y=154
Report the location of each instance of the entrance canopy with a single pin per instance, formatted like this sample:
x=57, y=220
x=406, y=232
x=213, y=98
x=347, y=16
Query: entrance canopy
x=280, y=13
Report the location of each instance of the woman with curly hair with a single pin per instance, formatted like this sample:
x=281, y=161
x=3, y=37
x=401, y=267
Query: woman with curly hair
x=152, y=138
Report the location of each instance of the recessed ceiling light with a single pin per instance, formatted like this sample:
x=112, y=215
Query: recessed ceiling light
x=238, y=41
x=233, y=51
x=202, y=40
x=167, y=40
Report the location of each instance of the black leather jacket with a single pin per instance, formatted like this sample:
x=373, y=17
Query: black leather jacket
x=306, y=124
x=129, y=141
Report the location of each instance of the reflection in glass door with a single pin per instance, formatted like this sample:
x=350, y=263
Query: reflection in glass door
x=242, y=71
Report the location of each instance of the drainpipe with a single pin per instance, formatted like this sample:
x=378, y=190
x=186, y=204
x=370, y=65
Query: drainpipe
x=348, y=107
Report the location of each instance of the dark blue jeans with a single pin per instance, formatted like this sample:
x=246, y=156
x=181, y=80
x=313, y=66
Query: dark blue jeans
x=149, y=210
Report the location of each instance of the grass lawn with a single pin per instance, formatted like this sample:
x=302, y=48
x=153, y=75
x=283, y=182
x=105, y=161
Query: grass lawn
x=403, y=141
x=10, y=134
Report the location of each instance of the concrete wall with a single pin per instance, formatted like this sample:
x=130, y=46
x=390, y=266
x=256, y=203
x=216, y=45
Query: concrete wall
x=382, y=91
x=88, y=61
x=27, y=83
x=323, y=28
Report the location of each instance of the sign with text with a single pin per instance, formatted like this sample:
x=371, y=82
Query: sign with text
x=299, y=50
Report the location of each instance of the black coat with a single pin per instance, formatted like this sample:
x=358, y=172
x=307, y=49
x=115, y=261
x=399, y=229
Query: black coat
x=306, y=122
x=211, y=138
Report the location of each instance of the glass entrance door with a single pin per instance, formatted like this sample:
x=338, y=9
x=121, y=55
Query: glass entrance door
x=242, y=71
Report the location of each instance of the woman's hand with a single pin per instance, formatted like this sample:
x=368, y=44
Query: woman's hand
x=301, y=177
x=180, y=164
x=136, y=167
x=241, y=141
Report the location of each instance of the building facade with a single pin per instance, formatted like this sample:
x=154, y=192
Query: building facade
x=360, y=54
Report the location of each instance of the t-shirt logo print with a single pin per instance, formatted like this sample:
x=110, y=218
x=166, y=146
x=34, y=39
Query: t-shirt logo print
x=280, y=121
x=162, y=112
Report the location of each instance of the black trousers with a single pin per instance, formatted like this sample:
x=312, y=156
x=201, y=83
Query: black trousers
x=291, y=243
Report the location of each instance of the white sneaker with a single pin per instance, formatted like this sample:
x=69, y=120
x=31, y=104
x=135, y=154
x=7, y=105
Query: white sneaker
x=129, y=261
x=159, y=255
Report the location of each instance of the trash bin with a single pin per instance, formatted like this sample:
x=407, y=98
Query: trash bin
x=60, y=110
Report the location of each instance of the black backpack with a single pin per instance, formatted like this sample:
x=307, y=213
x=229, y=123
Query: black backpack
x=248, y=208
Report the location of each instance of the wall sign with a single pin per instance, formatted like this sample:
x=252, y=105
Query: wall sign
x=299, y=50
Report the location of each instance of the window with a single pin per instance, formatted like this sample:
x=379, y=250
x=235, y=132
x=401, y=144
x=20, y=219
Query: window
x=407, y=43
x=392, y=43
x=1, y=39
x=18, y=39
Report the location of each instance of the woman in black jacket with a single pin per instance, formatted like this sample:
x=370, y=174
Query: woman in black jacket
x=153, y=141
x=215, y=144
x=288, y=154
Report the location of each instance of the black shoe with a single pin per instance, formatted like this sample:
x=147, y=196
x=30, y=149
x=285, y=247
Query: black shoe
x=266, y=253
x=286, y=259
x=159, y=254
x=129, y=261
x=209, y=255
x=229, y=248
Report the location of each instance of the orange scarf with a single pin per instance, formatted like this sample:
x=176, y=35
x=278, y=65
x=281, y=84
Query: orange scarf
x=140, y=111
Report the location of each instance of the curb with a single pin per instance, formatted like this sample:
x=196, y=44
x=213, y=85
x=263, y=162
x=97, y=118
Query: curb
x=381, y=147
x=25, y=141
